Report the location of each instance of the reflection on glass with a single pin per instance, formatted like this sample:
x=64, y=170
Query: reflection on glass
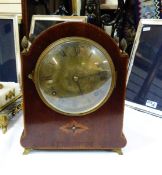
x=145, y=82
x=7, y=51
x=41, y=25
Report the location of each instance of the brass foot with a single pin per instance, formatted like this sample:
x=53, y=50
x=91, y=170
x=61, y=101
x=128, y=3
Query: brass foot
x=4, y=129
x=27, y=151
x=3, y=123
x=118, y=151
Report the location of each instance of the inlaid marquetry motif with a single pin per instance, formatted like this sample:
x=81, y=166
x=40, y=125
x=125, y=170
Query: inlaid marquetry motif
x=73, y=127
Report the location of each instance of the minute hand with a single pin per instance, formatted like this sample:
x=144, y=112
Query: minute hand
x=102, y=74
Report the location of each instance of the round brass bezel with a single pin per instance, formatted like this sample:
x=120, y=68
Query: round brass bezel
x=69, y=39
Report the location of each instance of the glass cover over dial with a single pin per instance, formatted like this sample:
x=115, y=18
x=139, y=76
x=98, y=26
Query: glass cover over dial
x=74, y=76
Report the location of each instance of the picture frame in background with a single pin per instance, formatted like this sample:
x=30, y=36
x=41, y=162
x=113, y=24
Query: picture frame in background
x=41, y=22
x=9, y=48
x=45, y=7
x=144, y=83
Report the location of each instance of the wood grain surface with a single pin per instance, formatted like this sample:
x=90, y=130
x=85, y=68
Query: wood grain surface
x=47, y=129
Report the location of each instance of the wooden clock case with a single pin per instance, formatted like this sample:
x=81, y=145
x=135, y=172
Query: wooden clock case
x=47, y=129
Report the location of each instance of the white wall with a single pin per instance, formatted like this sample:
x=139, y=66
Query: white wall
x=10, y=6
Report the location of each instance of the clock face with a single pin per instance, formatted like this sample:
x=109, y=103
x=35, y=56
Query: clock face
x=74, y=76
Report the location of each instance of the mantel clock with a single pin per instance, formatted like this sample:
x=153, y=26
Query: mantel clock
x=73, y=83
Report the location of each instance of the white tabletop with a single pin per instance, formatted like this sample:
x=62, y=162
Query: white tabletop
x=142, y=155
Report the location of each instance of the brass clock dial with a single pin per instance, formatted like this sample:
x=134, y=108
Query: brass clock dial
x=74, y=76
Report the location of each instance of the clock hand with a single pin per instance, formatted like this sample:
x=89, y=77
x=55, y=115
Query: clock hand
x=76, y=80
x=102, y=74
x=79, y=88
